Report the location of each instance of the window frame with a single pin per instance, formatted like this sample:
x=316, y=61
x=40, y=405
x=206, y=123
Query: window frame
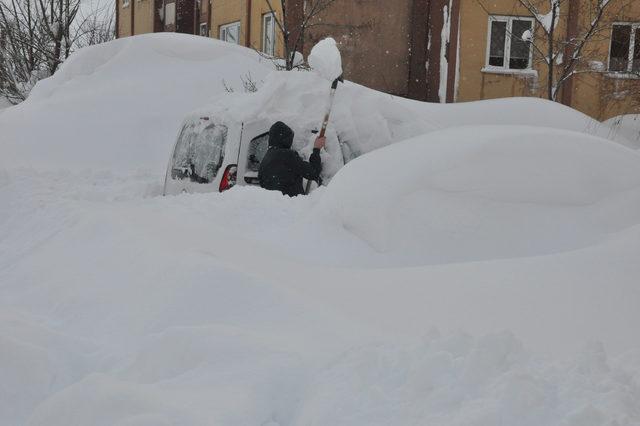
x=267, y=15
x=508, y=19
x=225, y=28
x=206, y=29
x=174, y=13
x=635, y=29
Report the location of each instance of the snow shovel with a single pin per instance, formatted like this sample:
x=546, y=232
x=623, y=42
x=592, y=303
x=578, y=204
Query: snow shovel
x=325, y=122
x=325, y=59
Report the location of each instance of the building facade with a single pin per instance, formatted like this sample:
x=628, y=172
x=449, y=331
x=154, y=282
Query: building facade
x=250, y=23
x=439, y=50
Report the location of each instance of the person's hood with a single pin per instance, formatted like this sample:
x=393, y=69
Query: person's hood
x=281, y=136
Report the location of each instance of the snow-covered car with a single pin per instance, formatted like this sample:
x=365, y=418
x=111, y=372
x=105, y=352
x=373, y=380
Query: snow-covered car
x=213, y=155
x=222, y=143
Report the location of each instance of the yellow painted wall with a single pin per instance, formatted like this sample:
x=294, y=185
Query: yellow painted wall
x=476, y=83
x=226, y=12
x=124, y=24
x=260, y=8
x=143, y=16
x=229, y=11
x=601, y=94
x=598, y=94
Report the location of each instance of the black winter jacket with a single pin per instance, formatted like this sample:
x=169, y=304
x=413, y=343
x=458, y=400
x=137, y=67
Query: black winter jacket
x=282, y=169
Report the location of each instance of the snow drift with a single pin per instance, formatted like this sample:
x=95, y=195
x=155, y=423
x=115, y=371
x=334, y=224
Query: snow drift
x=118, y=105
x=627, y=126
x=121, y=307
x=364, y=120
x=477, y=193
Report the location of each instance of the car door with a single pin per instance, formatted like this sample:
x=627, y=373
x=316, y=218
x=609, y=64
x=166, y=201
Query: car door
x=253, y=147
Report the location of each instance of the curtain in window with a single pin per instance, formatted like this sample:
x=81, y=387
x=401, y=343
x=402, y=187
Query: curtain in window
x=498, y=38
x=620, y=45
x=519, y=57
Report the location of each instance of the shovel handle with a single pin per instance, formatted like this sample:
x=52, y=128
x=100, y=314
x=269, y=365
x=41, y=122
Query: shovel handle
x=325, y=122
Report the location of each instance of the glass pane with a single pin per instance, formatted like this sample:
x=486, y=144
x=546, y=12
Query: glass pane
x=199, y=156
x=496, y=51
x=170, y=14
x=620, y=44
x=233, y=34
x=257, y=149
x=268, y=35
x=180, y=165
x=636, y=51
x=519, y=57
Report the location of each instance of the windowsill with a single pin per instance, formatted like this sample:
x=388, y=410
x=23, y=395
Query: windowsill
x=622, y=75
x=507, y=71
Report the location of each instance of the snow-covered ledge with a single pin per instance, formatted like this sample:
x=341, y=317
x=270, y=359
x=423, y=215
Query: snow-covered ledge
x=506, y=71
x=622, y=75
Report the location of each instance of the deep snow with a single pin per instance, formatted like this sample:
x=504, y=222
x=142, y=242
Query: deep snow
x=627, y=126
x=118, y=306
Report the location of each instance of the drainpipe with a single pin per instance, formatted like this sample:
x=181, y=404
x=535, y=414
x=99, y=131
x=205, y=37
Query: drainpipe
x=132, y=6
x=117, y=18
x=418, y=54
x=248, y=30
x=454, y=38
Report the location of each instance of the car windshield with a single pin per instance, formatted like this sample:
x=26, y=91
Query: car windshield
x=257, y=149
x=199, y=155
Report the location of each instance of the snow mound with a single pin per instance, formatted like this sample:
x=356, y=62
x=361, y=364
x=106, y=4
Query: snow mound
x=325, y=59
x=463, y=380
x=478, y=193
x=364, y=120
x=118, y=106
x=627, y=126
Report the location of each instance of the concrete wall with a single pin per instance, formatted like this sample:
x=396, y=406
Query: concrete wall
x=374, y=38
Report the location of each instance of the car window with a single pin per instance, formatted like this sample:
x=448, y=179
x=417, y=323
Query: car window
x=199, y=154
x=257, y=149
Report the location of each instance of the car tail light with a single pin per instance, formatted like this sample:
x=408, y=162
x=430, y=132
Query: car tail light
x=229, y=177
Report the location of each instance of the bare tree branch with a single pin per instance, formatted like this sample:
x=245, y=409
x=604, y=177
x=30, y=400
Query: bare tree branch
x=38, y=35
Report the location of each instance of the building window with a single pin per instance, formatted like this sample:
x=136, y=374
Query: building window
x=204, y=30
x=509, y=43
x=125, y=3
x=624, y=53
x=269, y=34
x=169, y=14
x=230, y=33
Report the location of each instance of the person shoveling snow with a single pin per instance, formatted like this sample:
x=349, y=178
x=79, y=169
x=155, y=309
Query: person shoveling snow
x=282, y=169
